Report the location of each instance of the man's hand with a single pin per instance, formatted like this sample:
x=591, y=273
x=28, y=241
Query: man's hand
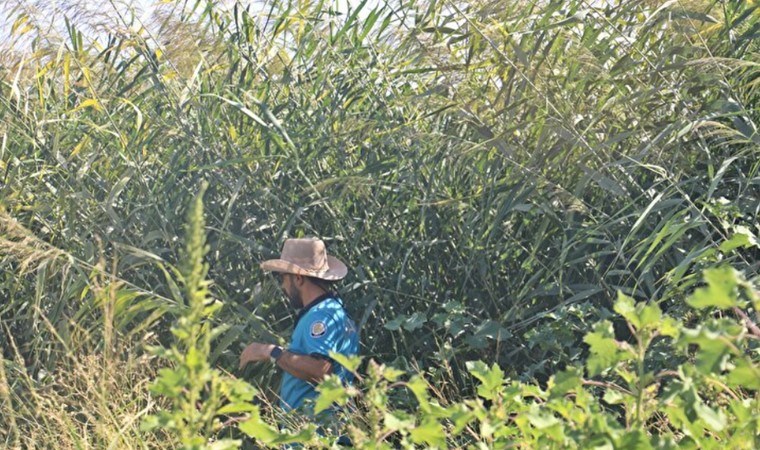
x=255, y=352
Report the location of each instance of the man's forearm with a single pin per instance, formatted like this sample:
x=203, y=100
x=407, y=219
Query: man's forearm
x=305, y=367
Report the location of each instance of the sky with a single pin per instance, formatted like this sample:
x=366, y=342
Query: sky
x=52, y=13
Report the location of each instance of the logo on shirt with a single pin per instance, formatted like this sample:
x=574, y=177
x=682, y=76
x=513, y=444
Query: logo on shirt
x=318, y=329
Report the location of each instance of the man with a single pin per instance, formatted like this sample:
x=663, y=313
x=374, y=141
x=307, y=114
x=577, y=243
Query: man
x=322, y=326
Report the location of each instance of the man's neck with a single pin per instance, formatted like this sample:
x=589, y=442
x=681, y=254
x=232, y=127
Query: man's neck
x=311, y=295
x=314, y=300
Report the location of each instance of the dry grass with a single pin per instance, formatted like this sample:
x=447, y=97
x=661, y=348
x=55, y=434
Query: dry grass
x=494, y=172
x=88, y=401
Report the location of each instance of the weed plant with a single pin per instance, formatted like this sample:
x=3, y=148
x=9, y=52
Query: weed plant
x=545, y=187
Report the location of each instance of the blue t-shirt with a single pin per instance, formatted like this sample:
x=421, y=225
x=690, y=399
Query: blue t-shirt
x=322, y=327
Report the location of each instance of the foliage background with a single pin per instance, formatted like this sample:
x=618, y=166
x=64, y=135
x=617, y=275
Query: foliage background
x=492, y=172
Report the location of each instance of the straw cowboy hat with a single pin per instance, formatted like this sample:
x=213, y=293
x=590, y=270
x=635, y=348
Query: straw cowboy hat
x=307, y=257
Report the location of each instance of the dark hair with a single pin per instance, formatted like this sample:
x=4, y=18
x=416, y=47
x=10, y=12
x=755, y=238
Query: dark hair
x=325, y=285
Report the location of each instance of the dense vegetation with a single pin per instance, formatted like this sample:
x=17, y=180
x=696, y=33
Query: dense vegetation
x=548, y=208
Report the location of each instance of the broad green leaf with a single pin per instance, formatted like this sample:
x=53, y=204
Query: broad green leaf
x=564, y=382
x=721, y=290
x=745, y=375
x=743, y=237
x=613, y=397
x=414, y=322
x=714, y=345
x=641, y=315
x=351, y=363
x=541, y=419
x=331, y=391
x=238, y=390
x=460, y=416
x=194, y=359
x=257, y=428
x=158, y=421
x=492, y=330
x=605, y=351
x=429, y=432
x=225, y=444
x=650, y=315
x=670, y=327
x=233, y=408
x=391, y=373
x=398, y=420
x=635, y=440
x=626, y=307
x=418, y=386
x=395, y=324
x=491, y=379
x=169, y=382
x=715, y=420
x=742, y=410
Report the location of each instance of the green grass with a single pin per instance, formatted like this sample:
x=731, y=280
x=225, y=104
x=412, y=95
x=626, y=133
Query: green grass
x=493, y=172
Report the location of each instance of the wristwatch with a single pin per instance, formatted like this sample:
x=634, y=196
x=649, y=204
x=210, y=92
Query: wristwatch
x=275, y=353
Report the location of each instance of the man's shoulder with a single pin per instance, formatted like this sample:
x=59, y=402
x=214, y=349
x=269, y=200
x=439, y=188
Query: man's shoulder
x=322, y=328
x=327, y=314
x=329, y=309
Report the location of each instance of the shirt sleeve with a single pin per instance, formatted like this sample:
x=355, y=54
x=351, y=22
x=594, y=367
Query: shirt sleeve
x=322, y=335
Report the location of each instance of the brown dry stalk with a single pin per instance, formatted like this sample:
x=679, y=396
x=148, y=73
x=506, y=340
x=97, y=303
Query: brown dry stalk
x=19, y=242
x=752, y=326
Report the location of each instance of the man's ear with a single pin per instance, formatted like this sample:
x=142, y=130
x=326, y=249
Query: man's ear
x=299, y=279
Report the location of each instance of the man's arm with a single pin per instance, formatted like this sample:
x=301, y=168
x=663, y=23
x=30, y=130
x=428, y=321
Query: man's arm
x=305, y=367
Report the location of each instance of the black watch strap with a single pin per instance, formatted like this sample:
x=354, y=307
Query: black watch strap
x=276, y=353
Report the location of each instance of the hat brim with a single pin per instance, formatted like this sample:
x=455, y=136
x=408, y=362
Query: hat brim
x=337, y=270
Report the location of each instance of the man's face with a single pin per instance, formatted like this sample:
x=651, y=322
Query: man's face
x=291, y=291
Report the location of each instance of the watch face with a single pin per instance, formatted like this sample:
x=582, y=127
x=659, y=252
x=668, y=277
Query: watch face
x=276, y=352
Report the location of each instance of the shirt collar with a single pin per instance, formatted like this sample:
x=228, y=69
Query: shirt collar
x=302, y=312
